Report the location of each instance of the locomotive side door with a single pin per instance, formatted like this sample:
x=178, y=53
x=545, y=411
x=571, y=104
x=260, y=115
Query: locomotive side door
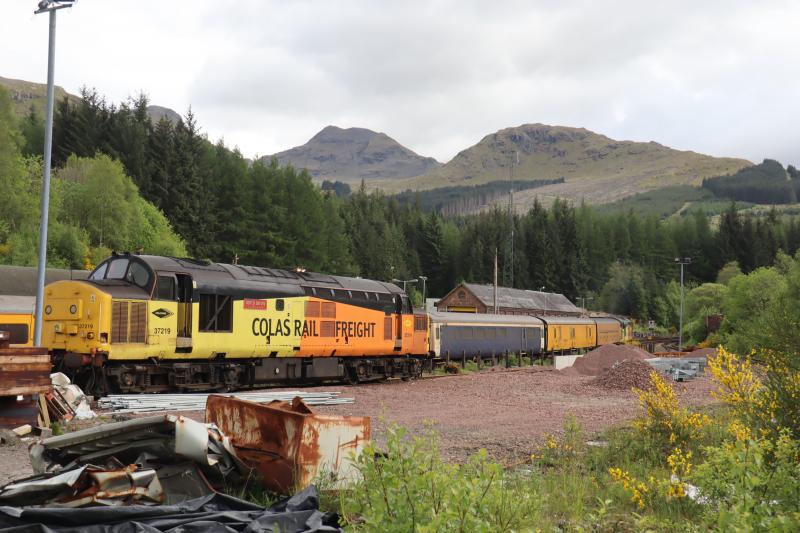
x=398, y=340
x=185, y=289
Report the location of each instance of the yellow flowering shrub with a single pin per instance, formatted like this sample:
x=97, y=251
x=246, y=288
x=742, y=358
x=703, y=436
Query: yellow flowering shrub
x=771, y=403
x=665, y=421
x=645, y=492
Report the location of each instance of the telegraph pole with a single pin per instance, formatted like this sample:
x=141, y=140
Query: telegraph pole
x=682, y=261
x=46, y=6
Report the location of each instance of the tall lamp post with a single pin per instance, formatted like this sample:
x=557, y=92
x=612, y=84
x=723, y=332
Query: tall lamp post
x=46, y=6
x=682, y=261
x=541, y=289
x=583, y=300
x=424, y=279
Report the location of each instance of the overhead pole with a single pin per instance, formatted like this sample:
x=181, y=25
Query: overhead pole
x=46, y=6
x=682, y=261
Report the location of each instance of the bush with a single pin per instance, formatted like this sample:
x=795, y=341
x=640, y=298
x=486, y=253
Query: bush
x=410, y=488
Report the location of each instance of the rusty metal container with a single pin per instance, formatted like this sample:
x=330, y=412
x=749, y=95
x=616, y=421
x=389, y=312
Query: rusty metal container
x=289, y=445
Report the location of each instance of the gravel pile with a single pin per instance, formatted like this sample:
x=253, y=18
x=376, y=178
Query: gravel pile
x=603, y=358
x=625, y=375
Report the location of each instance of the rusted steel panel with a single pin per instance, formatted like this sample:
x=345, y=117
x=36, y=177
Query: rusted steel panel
x=288, y=444
x=24, y=370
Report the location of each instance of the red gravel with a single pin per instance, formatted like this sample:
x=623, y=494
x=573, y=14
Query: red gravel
x=603, y=358
x=508, y=412
x=625, y=375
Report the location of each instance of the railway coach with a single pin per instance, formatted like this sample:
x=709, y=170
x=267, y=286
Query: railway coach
x=151, y=323
x=16, y=318
x=473, y=334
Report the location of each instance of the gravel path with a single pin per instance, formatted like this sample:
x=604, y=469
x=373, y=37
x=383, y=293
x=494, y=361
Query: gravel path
x=508, y=412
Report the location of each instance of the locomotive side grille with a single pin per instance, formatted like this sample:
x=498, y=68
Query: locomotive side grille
x=119, y=322
x=387, y=328
x=138, y=324
x=327, y=328
x=312, y=309
x=328, y=310
x=128, y=322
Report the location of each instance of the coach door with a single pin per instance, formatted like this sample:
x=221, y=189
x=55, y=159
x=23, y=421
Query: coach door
x=185, y=289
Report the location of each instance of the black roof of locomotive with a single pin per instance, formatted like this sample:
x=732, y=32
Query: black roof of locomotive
x=218, y=275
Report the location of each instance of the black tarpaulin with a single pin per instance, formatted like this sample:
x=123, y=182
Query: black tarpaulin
x=213, y=513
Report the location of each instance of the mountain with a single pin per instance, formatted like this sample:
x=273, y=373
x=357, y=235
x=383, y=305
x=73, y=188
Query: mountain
x=595, y=168
x=353, y=154
x=27, y=93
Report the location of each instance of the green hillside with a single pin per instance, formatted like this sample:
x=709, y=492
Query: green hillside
x=24, y=93
x=596, y=168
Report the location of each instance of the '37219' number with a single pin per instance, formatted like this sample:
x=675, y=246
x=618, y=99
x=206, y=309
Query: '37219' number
x=161, y=331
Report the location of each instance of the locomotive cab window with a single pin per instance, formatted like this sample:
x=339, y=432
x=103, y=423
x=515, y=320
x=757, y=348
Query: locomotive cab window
x=117, y=268
x=138, y=274
x=100, y=272
x=166, y=288
x=216, y=313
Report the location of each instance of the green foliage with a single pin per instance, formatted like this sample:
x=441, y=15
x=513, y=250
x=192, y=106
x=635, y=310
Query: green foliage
x=457, y=200
x=662, y=202
x=701, y=302
x=728, y=272
x=746, y=305
x=752, y=484
x=765, y=183
x=624, y=293
x=408, y=487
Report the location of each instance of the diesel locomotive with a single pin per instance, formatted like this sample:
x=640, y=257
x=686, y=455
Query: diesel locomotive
x=150, y=323
x=142, y=323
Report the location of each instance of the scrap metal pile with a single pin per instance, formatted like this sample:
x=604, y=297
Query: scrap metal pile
x=143, y=403
x=172, y=473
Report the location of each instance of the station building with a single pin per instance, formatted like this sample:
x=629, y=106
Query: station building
x=476, y=298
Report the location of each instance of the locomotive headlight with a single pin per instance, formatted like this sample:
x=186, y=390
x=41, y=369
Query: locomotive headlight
x=73, y=309
x=48, y=309
x=90, y=335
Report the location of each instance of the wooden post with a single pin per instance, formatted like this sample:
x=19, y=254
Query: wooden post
x=463, y=359
x=480, y=360
x=447, y=357
x=506, y=356
x=494, y=361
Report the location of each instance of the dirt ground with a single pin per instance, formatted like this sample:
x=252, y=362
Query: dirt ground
x=506, y=411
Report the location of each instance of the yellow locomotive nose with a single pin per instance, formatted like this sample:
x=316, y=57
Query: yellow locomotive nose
x=76, y=317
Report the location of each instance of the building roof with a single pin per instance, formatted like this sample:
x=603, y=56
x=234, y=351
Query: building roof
x=522, y=299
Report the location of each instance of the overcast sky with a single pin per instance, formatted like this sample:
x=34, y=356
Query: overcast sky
x=718, y=77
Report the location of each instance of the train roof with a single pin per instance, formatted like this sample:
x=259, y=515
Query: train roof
x=607, y=319
x=17, y=304
x=484, y=318
x=566, y=320
x=211, y=274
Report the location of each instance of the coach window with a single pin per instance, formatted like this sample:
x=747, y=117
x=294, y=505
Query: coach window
x=166, y=288
x=216, y=313
x=279, y=305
